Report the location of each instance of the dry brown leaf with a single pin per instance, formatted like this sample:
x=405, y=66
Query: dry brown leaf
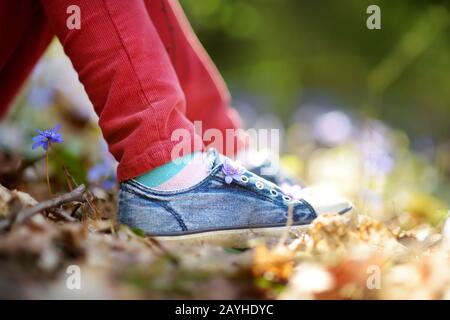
x=276, y=263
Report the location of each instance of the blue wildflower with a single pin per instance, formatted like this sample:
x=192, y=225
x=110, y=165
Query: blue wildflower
x=99, y=171
x=47, y=137
x=232, y=170
x=109, y=183
x=103, y=173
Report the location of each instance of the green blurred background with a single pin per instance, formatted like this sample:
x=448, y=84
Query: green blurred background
x=290, y=51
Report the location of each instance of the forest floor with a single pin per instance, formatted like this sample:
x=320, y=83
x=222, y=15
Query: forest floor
x=44, y=245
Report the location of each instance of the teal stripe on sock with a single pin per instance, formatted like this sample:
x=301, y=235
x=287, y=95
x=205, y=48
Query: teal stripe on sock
x=164, y=173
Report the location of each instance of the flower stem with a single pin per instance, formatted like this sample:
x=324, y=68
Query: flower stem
x=47, y=173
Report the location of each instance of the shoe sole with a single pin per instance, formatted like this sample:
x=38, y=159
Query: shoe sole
x=235, y=238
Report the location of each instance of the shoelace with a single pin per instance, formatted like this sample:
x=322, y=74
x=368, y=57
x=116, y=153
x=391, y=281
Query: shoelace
x=234, y=171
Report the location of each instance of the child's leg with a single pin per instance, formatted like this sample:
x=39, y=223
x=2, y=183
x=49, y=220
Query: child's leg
x=130, y=80
x=207, y=96
x=24, y=36
x=128, y=76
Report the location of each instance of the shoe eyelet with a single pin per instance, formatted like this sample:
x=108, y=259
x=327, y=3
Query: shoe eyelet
x=259, y=185
x=273, y=192
x=244, y=179
x=287, y=198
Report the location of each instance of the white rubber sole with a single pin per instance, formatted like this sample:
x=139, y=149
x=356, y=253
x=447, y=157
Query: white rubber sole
x=235, y=238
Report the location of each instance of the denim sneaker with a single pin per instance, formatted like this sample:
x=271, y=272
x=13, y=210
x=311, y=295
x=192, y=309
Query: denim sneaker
x=229, y=207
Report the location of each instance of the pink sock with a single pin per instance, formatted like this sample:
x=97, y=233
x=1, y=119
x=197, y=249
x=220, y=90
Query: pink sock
x=194, y=172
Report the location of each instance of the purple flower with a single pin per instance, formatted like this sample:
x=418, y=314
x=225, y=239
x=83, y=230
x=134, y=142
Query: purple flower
x=47, y=137
x=103, y=173
x=232, y=170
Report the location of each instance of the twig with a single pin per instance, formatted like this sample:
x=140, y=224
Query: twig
x=62, y=215
x=289, y=222
x=75, y=208
x=68, y=178
x=88, y=192
x=75, y=195
x=90, y=204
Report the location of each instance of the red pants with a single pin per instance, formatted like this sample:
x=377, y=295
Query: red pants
x=142, y=66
